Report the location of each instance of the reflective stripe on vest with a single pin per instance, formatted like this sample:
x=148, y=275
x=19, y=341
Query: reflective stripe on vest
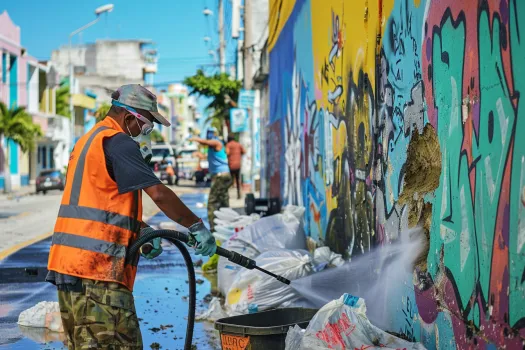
x=74, y=250
x=86, y=243
x=94, y=214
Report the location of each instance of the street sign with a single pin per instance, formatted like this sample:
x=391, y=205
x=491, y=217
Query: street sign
x=246, y=99
x=238, y=120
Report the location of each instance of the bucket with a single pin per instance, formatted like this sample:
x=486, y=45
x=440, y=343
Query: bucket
x=263, y=330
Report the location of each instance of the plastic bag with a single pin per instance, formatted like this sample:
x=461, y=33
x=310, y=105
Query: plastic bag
x=324, y=257
x=342, y=324
x=213, y=313
x=228, y=222
x=45, y=314
x=294, y=337
x=264, y=291
x=280, y=231
x=226, y=214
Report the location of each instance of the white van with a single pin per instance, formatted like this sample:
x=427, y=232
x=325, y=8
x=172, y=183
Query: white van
x=159, y=152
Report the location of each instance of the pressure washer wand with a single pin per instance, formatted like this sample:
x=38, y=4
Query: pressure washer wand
x=232, y=256
x=247, y=263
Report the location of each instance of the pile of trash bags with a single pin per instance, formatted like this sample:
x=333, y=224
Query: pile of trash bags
x=278, y=244
x=228, y=222
x=343, y=324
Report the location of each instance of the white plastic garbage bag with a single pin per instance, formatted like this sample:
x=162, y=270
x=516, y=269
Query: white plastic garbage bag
x=226, y=214
x=342, y=324
x=294, y=211
x=257, y=288
x=294, y=337
x=280, y=231
x=228, y=222
x=324, y=257
x=45, y=314
x=213, y=313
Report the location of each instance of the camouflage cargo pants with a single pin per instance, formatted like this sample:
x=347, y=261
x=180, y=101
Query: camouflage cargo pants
x=99, y=315
x=219, y=196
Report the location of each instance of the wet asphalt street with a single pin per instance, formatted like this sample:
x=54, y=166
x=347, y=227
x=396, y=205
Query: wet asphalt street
x=160, y=295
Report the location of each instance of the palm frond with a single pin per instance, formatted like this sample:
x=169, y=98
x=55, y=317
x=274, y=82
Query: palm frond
x=17, y=124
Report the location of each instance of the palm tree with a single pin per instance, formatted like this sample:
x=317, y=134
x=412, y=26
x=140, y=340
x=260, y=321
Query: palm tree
x=156, y=136
x=62, y=101
x=102, y=111
x=16, y=124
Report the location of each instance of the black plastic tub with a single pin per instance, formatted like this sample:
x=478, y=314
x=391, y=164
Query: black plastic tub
x=263, y=330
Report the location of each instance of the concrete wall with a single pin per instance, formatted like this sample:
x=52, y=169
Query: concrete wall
x=388, y=113
x=106, y=58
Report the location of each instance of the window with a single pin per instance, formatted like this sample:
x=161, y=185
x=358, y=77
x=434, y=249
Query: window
x=52, y=173
x=44, y=157
x=4, y=68
x=51, y=158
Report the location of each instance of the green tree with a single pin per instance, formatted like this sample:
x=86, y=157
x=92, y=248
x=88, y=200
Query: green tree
x=221, y=88
x=62, y=101
x=102, y=111
x=16, y=124
x=156, y=136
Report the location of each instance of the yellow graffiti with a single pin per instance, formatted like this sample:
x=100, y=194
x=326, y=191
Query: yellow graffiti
x=345, y=44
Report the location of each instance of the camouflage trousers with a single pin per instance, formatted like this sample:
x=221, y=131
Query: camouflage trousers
x=99, y=315
x=219, y=196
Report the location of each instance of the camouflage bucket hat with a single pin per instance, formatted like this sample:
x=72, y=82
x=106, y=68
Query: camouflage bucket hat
x=137, y=96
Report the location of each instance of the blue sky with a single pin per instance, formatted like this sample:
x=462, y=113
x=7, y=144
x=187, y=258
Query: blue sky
x=176, y=26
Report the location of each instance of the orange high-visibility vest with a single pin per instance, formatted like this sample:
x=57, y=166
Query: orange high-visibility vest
x=95, y=224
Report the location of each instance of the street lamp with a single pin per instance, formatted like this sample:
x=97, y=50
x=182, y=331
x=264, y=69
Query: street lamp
x=207, y=12
x=100, y=10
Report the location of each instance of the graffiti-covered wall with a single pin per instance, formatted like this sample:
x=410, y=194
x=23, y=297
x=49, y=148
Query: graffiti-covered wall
x=387, y=114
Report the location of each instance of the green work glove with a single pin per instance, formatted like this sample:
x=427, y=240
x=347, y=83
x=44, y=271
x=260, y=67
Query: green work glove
x=201, y=239
x=152, y=249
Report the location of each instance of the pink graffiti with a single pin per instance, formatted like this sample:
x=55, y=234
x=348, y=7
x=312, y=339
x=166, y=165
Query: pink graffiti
x=332, y=333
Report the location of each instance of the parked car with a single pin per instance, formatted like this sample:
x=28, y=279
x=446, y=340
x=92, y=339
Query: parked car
x=50, y=180
x=161, y=151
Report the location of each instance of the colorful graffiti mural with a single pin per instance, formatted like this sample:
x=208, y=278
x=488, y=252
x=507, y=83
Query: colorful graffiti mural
x=351, y=83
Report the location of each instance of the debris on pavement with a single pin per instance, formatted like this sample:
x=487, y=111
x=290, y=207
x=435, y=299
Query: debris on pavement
x=199, y=281
x=45, y=314
x=213, y=313
x=155, y=346
x=343, y=324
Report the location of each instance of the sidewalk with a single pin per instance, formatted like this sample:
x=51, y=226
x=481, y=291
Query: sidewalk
x=18, y=193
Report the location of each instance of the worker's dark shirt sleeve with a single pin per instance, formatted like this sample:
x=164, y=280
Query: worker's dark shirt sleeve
x=126, y=166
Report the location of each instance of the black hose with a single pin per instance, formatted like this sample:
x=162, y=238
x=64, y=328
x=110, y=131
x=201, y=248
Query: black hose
x=175, y=238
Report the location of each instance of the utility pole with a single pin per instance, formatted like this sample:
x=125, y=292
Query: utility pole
x=248, y=83
x=247, y=45
x=222, y=44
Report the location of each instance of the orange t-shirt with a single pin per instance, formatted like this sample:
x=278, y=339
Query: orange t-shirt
x=235, y=151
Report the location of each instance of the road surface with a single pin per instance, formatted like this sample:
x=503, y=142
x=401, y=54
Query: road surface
x=160, y=289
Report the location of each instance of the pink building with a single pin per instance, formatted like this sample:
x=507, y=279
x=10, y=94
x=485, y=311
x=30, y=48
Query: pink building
x=23, y=83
